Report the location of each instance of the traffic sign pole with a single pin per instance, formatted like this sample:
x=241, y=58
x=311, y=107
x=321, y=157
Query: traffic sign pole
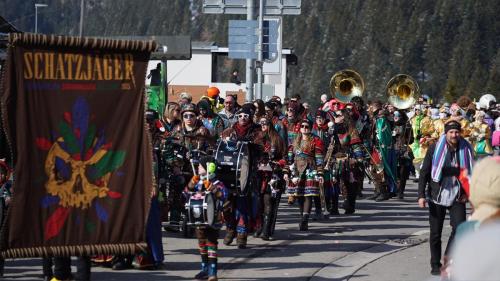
x=249, y=62
x=260, y=60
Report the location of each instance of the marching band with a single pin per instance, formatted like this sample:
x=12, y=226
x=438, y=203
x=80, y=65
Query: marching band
x=218, y=163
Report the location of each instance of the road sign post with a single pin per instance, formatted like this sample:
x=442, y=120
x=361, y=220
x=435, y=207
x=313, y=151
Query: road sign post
x=267, y=45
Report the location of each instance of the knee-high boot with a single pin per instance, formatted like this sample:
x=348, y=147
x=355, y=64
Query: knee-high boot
x=304, y=223
x=266, y=226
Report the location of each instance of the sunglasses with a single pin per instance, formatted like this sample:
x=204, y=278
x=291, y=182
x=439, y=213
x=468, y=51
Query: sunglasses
x=188, y=116
x=338, y=114
x=243, y=115
x=264, y=123
x=305, y=126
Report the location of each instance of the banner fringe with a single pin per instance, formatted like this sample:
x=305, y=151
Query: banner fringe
x=76, y=250
x=83, y=42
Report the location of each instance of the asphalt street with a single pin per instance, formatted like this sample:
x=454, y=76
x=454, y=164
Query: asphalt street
x=381, y=241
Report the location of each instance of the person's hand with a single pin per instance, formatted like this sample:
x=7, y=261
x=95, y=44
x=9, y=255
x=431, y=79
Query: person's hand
x=321, y=180
x=463, y=198
x=285, y=177
x=208, y=185
x=421, y=202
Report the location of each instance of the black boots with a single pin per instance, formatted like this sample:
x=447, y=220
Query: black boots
x=228, y=239
x=266, y=227
x=304, y=223
x=241, y=240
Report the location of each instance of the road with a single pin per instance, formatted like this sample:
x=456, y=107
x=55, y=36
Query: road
x=381, y=241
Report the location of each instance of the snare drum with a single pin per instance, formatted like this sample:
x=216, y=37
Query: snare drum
x=233, y=165
x=201, y=209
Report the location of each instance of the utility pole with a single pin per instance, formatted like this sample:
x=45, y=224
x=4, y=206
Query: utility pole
x=260, y=59
x=37, y=5
x=82, y=8
x=249, y=62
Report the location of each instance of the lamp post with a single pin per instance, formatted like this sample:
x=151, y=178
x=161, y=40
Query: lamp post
x=82, y=6
x=37, y=5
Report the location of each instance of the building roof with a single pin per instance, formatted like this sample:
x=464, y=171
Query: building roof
x=169, y=47
x=203, y=45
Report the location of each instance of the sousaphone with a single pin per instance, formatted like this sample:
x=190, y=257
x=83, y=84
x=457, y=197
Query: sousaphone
x=346, y=84
x=402, y=91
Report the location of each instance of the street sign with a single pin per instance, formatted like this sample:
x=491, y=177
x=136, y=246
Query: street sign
x=273, y=40
x=239, y=7
x=243, y=39
x=270, y=37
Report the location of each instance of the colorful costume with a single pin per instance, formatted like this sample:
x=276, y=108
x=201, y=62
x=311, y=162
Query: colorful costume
x=385, y=146
x=347, y=164
x=207, y=235
x=241, y=210
x=270, y=178
x=307, y=158
x=480, y=137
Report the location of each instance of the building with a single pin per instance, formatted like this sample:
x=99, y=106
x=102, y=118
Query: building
x=201, y=71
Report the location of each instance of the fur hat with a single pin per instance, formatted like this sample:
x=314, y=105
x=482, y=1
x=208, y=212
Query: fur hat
x=305, y=120
x=247, y=108
x=190, y=107
x=464, y=102
x=186, y=96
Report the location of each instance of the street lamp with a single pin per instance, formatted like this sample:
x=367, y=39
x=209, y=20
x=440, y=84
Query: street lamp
x=82, y=6
x=37, y=5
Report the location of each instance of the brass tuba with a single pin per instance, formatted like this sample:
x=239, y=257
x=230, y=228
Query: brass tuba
x=346, y=84
x=402, y=91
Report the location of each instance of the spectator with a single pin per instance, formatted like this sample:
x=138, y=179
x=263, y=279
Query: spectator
x=235, y=77
x=439, y=176
x=228, y=114
x=155, y=75
x=474, y=255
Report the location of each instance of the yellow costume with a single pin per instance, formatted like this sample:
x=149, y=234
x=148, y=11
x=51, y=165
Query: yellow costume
x=422, y=131
x=480, y=138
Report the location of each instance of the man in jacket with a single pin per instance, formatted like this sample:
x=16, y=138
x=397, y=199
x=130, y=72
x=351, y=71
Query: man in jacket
x=440, y=187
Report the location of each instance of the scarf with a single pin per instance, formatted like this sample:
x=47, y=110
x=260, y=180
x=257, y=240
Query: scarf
x=241, y=130
x=465, y=156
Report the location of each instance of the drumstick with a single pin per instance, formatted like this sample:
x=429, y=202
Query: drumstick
x=192, y=166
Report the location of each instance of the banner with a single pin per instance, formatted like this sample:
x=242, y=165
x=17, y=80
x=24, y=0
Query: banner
x=73, y=111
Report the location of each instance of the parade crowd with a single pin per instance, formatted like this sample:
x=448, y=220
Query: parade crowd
x=222, y=165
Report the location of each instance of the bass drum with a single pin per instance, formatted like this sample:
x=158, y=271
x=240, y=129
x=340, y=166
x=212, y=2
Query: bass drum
x=233, y=165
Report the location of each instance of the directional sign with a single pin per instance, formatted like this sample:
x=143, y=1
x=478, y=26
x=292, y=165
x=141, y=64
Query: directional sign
x=243, y=39
x=270, y=38
x=239, y=7
x=273, y=40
